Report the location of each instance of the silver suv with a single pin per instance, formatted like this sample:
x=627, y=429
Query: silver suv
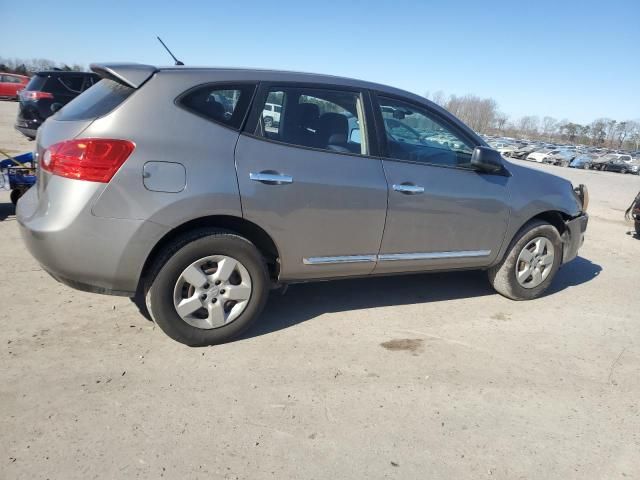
x=167, y=185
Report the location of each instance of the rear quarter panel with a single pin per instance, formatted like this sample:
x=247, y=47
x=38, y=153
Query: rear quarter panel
x=164, y=132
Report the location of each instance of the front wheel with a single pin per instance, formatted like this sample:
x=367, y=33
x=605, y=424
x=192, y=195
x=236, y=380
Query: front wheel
x=207, y=288
x=530, y=264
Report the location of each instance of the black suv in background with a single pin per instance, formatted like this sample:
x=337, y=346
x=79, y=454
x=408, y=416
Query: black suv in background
x=46, y=93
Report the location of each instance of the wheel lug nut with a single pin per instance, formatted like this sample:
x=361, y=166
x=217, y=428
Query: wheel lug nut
x=218, y=282
x=206, y=285
x=214, y=300
x=203, y=297
x=222, y=292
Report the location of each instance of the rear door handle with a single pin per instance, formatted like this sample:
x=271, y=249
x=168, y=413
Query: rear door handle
x=408, y=188
x=271, y=178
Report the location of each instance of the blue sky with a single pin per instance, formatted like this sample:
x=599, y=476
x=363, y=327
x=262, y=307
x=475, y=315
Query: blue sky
x=577, y=60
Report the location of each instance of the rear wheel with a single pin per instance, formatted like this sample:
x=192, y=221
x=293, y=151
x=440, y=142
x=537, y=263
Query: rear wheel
x=207, y=288
x=268, y=121
x=531, y=263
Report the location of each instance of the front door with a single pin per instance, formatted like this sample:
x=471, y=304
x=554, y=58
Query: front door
x=442, y=212
x=307, y=178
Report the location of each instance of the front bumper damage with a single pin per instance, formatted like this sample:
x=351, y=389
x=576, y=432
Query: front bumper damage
x=573, y=236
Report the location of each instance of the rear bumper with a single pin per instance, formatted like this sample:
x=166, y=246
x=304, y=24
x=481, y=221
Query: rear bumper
x=573, y=237
x=29, y=119
x=27, y=132
x=103, y=255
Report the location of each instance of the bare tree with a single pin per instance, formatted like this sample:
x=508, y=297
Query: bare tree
x=598, y=131
x=549, y=126
x=27, y=67
x=529, y=125
x=501, y=120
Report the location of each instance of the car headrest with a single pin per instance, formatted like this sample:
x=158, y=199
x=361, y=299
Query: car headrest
x=332, y=123
x=309, y=114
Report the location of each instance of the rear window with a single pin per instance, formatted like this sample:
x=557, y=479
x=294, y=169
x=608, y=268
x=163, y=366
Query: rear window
x=36, y=83
x=95, y=102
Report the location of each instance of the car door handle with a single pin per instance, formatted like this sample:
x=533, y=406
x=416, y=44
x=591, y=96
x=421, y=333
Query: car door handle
x=271, y=178
x=408, y=188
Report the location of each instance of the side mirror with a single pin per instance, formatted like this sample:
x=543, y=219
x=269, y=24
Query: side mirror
x=55, y=107
x=487, y=160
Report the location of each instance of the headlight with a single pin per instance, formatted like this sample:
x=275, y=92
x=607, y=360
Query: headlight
x=582, y=194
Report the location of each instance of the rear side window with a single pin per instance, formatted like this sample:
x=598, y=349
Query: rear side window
x=314, y=118
x=225, y=104
x=95, y=102
x=72, y=83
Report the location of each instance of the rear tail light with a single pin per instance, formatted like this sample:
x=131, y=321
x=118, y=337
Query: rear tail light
x=34, y=95
x=91, y=159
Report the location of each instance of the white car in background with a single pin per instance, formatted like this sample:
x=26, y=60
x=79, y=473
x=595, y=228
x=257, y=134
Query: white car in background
x=503, y=147
x=540, y=155
x=271, y=114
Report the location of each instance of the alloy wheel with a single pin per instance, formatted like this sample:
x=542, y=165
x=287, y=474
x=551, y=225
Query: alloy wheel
x=212, y=292
x=535, y=262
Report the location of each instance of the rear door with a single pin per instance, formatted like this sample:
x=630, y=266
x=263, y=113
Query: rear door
x=312, y=180
x=442, y=213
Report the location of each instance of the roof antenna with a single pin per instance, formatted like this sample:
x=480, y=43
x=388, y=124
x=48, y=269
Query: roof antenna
x=178, y=62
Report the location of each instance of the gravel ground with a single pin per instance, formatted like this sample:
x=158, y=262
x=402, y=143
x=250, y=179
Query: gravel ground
x=428, y=376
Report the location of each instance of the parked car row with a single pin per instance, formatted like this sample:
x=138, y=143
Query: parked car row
x=42, y=95
x=588, y=158
x=45, y=94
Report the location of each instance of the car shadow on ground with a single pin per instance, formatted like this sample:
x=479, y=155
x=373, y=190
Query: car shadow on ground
x=578, y=271
x=7, y=210
x=303, y=302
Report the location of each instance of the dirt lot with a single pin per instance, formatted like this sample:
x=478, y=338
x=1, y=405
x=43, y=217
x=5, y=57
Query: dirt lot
x=429, y=376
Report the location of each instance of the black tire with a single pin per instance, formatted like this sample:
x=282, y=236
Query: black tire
x=503, y=275
x=181, y=253
x=637, y=225
x=140, y=304
x=15, y=196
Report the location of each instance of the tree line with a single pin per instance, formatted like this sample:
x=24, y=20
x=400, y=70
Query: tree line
x=28, y=67
x=483, y=116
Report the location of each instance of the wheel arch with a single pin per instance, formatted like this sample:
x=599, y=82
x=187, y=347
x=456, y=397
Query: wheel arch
x=557, y=218
x=240, y=226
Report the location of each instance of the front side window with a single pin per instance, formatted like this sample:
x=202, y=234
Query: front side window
x=227, y=105
x=315, y=118
x=415, y=134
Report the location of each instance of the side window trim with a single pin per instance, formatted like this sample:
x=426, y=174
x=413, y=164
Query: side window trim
x=220, y=85
x=265, y=87
x=381, y=129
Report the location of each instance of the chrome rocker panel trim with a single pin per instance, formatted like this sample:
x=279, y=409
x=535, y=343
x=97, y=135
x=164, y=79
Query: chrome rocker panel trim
x=390, y=257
